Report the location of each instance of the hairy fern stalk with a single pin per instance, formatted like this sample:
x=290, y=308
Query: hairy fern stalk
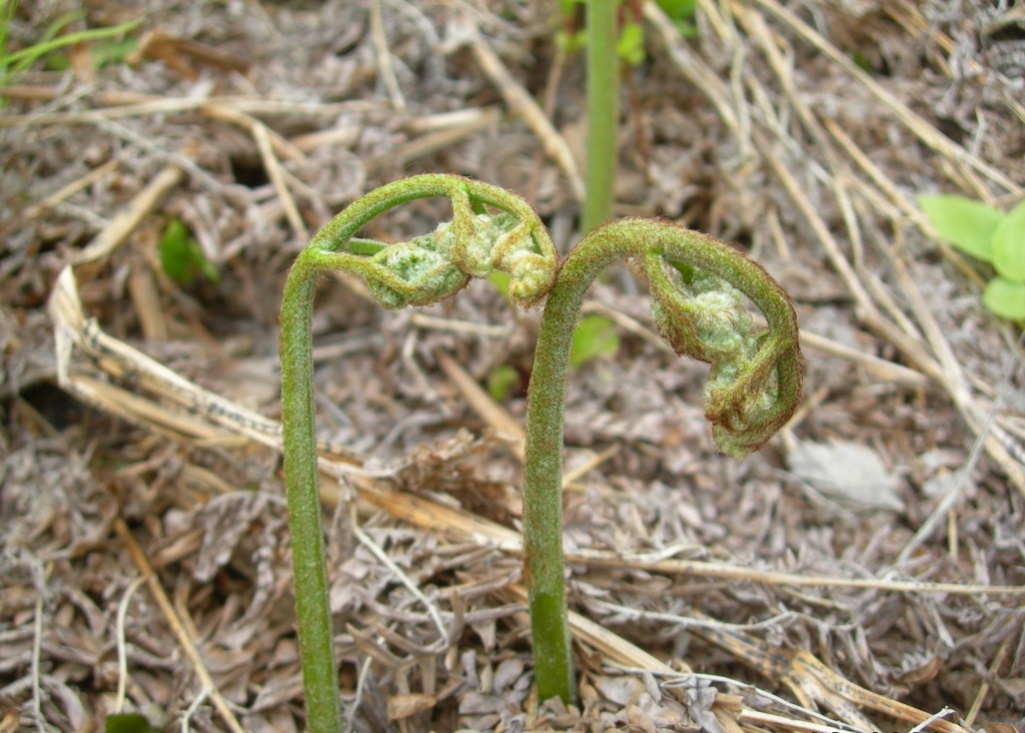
x=698, y=288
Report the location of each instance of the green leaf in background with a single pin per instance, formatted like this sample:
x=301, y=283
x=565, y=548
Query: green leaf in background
x=594, y=336
x=571, y=42
x=1005, y=299
x=681, y=12
x=678, y=9
x=965, y=223
x=128, y=723
x=501, y=281
x=1009, y=245
x=630, y=45
x=501, y=381
x=113, y=51
x=181, y=256
x=862, y=62
x=56, y=61
x=630, y=41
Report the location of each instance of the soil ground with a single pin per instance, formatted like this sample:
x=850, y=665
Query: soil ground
x=864, y=571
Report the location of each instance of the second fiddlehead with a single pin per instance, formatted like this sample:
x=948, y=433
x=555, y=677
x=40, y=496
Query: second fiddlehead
x=697, y=288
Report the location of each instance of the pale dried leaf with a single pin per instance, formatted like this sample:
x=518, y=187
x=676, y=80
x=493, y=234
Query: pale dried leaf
x=404, y=706
x=848, y=473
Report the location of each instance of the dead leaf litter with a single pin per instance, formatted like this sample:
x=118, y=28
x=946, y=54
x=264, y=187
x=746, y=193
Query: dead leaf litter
x=863, y=572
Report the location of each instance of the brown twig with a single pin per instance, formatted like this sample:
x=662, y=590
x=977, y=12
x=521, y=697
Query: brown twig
x=186, y=641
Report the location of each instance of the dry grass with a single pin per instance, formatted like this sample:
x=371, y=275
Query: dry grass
x=145, y=561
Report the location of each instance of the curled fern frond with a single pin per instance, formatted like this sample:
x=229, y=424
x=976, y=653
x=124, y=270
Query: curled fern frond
x=434, y=266
x=699, y=289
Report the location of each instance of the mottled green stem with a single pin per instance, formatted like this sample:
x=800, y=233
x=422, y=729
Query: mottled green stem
x=754, y=388
x=422, y=271
x=313, y=614
x=602, y=113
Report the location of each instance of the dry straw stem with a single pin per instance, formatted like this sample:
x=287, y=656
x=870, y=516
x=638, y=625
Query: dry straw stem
x=121, y=227
x=98, y=173
x=994, y=672
x=186, y=640
x=925, y=132
x=524, y=105
x=118, y=105
x=277, y=176
x=403, y=578
x=482, y=403
x=384, y=64
x=122, y=645
x=431, y=141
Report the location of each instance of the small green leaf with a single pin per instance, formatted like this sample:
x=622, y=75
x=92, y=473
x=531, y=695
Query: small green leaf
x=128, y=723
x=113, y=51
x=56, y=61
x=174, y=252
x=594, y=336
x=965, y=223
x=103, y=53
x=681, y=12
x=500, y=280
x=571, y=42
x=501, y=381
x=1009, y=245
x=678, y=9
x=182, y=258
x=862, y=62
x=1005, y=299
x=630, y=45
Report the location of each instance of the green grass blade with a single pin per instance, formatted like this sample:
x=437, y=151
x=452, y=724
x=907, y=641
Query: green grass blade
x=20, y=60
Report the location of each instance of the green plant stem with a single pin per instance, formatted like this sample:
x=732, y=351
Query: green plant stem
x=650, y=242
x=13, y=63
x=602, y=113
x=418, y=272
x=313, y=614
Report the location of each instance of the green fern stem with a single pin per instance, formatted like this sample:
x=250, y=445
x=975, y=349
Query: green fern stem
x=755, y=385
x=419, y=272
x=313, y=613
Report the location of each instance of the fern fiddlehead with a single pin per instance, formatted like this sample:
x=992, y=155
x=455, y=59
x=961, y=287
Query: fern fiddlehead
x=698, y=286
x=754, y=386
x=419, y=272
